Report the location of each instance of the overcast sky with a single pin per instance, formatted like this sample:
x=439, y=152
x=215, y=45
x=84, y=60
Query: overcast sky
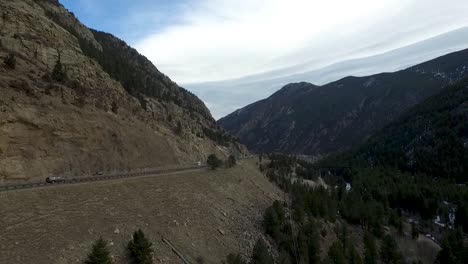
x=195, y=41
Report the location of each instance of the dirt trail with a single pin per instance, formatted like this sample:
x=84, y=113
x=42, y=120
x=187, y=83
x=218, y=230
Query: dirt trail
x=192, y=210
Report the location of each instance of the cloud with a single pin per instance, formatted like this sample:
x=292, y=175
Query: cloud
x=263, y=41
x=220, y=39
x=224, y=97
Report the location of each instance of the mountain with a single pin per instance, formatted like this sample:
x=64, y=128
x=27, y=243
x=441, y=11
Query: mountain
x=303, y=118
x=76, y=101
x=431, y=138
x=226, y=96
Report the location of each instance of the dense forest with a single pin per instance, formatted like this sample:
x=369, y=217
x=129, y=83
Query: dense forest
x=366, y=205
x=411, y=172
x=429, y=139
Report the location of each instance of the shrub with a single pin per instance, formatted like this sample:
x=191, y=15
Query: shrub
x=10, y=61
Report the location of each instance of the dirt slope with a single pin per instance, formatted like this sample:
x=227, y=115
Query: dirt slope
x=86, y=117
x=192, y=210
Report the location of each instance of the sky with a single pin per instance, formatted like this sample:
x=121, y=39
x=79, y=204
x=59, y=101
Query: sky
x=200, y=41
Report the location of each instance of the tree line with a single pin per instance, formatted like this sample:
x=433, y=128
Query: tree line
x=139, y=251
x=378, y=198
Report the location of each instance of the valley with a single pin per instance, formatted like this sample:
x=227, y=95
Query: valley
x=104, y=159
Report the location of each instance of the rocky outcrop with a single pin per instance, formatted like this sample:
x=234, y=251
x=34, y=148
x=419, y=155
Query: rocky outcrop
x=76, y=118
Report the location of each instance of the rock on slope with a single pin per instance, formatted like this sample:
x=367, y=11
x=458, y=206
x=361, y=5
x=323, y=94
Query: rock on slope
x=306, y=119
x=106, y=108
x=203, y=213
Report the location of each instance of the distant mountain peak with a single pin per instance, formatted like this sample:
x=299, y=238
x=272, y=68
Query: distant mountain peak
x=341, y=114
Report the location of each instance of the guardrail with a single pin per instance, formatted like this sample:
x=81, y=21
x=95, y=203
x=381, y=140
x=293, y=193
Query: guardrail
x=74, y=180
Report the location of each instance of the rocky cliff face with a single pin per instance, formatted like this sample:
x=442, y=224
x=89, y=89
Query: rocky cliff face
x=306, y=119
x=65, y=110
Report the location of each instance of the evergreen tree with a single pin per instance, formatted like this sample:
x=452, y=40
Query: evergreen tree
x=231, y=162
x=335, y=254
x=353, y=257
x=139, y=249
x=99, y=254
x=461, y=216
x=273, y=220
x=213, y=161
x=389, y=251
x=370, y=253
x=414, y=231
x=58, y=74
x=453, y=250
x=234, y=259
x=260, y=253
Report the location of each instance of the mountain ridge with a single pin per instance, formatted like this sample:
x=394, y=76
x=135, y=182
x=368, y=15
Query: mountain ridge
x=254, y=88
x=335, y=116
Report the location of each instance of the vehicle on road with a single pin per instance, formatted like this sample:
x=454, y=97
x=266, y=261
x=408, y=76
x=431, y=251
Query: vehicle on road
x=99, y=173
x=55, y=179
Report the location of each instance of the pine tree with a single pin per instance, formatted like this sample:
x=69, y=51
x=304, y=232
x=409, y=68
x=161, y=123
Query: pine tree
x=139, y=249
x=231, y=162
x=389, y=251
x=260, y=253
x=335, y=254
x=58, y=74
x=99, y=254
x=414, y=231
x=234, y=259
x=213, y=162
x=370, y=253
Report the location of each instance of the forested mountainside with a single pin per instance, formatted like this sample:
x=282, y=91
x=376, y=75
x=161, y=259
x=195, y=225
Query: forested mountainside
x=318, y=120
x=407, y=183
x=76, y=101
x=430, y=139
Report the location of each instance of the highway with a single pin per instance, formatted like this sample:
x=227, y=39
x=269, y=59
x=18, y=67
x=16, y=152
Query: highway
x=95, y=178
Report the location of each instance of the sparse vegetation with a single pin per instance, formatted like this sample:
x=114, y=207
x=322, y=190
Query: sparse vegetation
x=10, y=61
x=139, y=249
x=100, y=253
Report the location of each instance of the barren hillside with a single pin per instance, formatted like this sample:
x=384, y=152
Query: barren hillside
x=76, y=101
x=206, y=213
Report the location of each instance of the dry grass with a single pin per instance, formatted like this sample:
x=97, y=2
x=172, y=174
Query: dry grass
x=58, y=225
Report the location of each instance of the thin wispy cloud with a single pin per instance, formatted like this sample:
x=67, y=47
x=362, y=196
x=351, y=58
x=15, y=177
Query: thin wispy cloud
x=265, y=43
x=229, y=39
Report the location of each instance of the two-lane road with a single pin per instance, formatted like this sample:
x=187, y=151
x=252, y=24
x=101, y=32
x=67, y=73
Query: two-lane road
x=87, y=179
